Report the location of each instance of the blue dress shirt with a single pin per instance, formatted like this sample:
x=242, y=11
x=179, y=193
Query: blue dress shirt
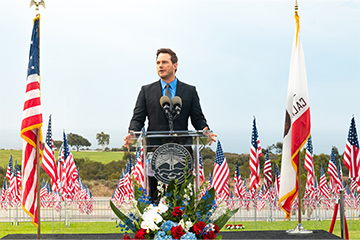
x=172, y=87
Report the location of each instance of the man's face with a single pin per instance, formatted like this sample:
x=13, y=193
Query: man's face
x=165, y=68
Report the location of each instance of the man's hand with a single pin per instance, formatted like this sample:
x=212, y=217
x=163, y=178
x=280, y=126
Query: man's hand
x=211, y=136
x=127, y=139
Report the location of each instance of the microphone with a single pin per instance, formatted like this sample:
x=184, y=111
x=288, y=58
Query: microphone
x=177, y=104
x=165, y=104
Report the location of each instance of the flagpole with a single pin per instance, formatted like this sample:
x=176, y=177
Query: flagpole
x=299, y=189
x=38, y=180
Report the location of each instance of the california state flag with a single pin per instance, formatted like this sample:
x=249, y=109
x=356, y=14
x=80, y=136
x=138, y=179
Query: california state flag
x=297, y=124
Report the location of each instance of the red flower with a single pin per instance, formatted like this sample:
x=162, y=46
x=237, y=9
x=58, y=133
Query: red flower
x=216, y=229
x=140, y=234
x=177, y=212
x=209, y=235
x=127, y=237
x=199, y=227
x=177, y=232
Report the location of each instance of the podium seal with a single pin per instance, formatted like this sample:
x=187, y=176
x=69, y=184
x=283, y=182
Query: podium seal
x=168, y=162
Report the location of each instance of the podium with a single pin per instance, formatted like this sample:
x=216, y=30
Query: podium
x=167, y=152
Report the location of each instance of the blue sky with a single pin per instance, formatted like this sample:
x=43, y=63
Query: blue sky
x=95, y=56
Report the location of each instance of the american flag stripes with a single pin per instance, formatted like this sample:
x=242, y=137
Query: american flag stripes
x=333, y=171
x=309, y=166
x=255, y=154
x=243, y=190
x=48, y=162
x=220, y=178
x=139, y=167
x=277, y=180
x=3, y=195
x=267, y=171
x=15, y=185
x=31, y=127
x=351, y=154
x=9, y=170
x=324, y=190
x=43, y=194
x=61, y=172
x=70, y=171
x=237, y=179
x=201, y=169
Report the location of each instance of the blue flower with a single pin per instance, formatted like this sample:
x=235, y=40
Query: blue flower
x=188, y=236
x=166, y=226
x=160, y=235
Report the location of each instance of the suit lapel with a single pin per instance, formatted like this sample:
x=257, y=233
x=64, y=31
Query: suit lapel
x=157, y=90
x=179, y=89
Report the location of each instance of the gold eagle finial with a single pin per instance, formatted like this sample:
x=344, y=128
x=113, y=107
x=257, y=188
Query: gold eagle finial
x=37, y=4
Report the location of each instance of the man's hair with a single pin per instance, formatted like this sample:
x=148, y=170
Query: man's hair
x=174, y=58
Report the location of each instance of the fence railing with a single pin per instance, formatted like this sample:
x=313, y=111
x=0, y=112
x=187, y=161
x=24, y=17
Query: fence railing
x=99, y=211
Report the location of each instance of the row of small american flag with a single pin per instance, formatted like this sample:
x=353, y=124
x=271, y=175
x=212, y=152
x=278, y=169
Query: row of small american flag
x=269, y=190
x=65, y=180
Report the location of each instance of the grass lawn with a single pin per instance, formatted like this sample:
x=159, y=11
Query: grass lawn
x=103, y=157
x=110, y=227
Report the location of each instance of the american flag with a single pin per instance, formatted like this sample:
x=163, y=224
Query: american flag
x=201, y=169
x=237, y=179
x=61, y=171
x=3, y=195
x=353, y=185
x=255, y=154
x=15, y=185
x=221, y=174
x=277, y=180
x=127, y=180
x=70, y=171
x=48, y=163
x=324, y=190
x=352, y=154
x=243, y=189
x=9, y=170
x=332, y=170
x=43, y=195
x=348, y=196
x=260, y=204
x=356, y=201
x=31, y=127
x=139, y=167
x=309, y=166
x=267, y=171
x=120, y=191
x=57, y=201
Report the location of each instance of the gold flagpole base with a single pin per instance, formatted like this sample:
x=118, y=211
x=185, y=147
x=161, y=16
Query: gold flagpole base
x=299, y=229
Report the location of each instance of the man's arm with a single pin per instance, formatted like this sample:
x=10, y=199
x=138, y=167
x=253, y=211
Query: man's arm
x=138, y=119
x=198, y=119
x=140, y=113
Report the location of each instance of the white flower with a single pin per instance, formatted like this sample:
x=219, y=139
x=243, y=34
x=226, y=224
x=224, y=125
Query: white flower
x=149, y=225
x=162, y=207
x=152, y=215
x=186, y=226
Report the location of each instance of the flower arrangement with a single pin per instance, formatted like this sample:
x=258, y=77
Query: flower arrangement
x=182, y=213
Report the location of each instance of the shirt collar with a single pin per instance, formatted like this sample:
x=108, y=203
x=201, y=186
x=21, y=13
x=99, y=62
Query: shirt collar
x=172, y=84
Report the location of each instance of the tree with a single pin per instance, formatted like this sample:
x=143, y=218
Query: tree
x=57, y=144
x=103, y=139
x=77, y=141
x=277, y=147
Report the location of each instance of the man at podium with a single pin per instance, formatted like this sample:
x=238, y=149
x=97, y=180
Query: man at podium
x=148, y=103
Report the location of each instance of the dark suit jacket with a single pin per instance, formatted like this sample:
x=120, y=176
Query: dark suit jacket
x=148, y=105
